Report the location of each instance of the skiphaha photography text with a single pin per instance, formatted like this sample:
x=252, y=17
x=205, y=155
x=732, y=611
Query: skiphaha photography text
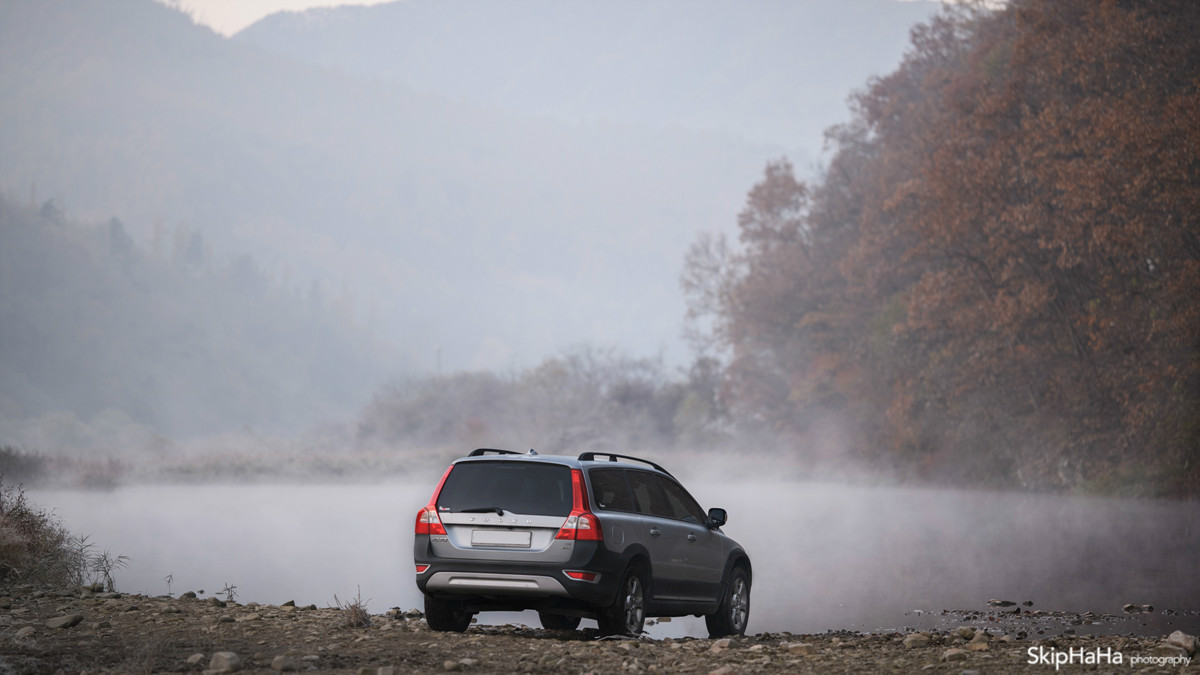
x=1059, y=658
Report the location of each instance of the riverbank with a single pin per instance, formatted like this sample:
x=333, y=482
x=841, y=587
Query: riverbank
x=75, y=630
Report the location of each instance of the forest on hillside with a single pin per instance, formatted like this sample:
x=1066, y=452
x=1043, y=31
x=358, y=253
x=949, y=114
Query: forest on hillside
x=995, y=280
x=107, y=344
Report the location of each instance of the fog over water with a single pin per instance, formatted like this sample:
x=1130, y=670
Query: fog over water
x=826, y=556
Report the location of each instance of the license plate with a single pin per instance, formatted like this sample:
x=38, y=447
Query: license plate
x=507, y=538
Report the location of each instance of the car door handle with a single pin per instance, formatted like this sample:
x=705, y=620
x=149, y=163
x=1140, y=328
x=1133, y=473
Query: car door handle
x=691, y=537
x=654, y=532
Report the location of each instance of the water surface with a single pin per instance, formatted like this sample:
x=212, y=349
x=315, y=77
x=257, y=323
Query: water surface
x=826, y=557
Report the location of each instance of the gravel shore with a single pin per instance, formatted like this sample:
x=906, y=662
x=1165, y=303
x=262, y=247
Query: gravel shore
x=79, y=630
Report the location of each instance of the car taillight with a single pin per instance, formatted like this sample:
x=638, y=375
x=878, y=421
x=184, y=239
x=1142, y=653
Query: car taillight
x=581, y=524
x=580, y=575
x=428, y=521
x=421, y=568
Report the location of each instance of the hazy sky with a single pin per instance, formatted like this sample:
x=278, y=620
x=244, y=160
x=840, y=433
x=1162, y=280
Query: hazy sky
x=230, y=16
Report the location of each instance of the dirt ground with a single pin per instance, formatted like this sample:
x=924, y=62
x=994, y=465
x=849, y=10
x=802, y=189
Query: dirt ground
x=109, y=632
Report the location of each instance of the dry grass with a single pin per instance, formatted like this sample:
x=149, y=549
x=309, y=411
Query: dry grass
x=354, y=611
x=35, y=547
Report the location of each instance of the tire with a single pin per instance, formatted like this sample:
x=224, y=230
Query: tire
x=627, y=614
x=734, y=612
x=558, y=621
x=446, y=615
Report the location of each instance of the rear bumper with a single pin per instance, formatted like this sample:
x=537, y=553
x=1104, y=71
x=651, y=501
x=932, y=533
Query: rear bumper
x=491, y=583
x=520, y=584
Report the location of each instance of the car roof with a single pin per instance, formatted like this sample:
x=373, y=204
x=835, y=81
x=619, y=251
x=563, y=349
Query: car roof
x=585, y=459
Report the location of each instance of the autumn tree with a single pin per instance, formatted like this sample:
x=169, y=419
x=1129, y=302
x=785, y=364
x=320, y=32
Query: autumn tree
x=994, y=281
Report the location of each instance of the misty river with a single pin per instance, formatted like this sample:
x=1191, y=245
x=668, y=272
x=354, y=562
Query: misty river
x=826, y=557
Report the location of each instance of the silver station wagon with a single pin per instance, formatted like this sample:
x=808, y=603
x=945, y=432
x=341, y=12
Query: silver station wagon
x=603, y=536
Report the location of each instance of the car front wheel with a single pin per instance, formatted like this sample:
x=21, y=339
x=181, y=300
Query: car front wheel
x=627, y=614
x=446, y=615
x=734, y=613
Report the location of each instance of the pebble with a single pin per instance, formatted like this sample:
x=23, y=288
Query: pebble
x=25, y=632
x=195, y=659
x=723, y=670
x=954, y=655
x=286, y=664
x=916, y=640
x=1168, y=650
x=801, y=649
x=69, y=621
x=1183, y=641
x=721, y=645
x=225, y=662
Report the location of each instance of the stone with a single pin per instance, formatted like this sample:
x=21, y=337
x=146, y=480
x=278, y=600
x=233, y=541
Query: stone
x=216, y=602
x=195, y=659
x=1169, y=650
x=801, y=649
x=190, y=595
x=466, y=663
x=289, y=603
x=286, y=664
x=1000, y=603
x=721, y=645
x=954, y=655
x=965, y=632
x=978, y=646
x=25, y=632
x=68, y=621
x=5, y=603
x=723, y=670
x=916, y=640
x=451, y=665
x=225, y=662
x=1183, y=641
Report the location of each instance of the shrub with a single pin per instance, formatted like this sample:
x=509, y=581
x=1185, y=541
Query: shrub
x=35, y=547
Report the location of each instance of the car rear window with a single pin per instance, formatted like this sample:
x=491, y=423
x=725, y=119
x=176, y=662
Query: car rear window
x=527, y=488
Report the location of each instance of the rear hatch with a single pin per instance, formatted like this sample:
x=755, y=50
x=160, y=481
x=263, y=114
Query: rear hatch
x=505, y=510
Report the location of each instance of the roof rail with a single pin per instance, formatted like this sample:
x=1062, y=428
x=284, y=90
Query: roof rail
x=612, y=457
x=483, y=451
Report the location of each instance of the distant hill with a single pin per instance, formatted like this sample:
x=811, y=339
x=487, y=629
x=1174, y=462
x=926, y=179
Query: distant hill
x=100, y=336
x=769, y=71
x=469, y=231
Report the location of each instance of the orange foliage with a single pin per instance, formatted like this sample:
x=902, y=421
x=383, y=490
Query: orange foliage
x=999, y=273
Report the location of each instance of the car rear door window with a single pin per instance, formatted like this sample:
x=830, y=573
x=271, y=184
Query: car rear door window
x=611, y=491
x=527, y=488
x=680, y=503
x=648, y=495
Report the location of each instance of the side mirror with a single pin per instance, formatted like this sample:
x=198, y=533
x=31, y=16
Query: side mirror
x=716, y=518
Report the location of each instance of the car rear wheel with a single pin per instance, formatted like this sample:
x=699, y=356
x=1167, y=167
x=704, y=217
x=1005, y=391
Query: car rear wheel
x=734, y=613
x=627, y=614
x=446, y=615
x=558, y=621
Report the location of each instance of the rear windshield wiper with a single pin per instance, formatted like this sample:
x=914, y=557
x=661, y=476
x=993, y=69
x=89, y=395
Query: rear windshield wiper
x=484, y=509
